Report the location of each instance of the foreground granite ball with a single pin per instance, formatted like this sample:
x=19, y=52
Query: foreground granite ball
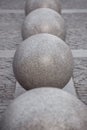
x=45, y=109
x=35, y=4
x=43, y=60
x=43, y=20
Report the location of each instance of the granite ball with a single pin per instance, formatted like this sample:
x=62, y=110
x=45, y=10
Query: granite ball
x=31, y=5
x=43, y=20
x=45, y=109
x=43, y=60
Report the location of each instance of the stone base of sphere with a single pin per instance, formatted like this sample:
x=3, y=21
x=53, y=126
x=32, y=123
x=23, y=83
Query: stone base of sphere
x=43, y=60
x=45, y=109
x=68, y=88
x=35, y=4
x=43, y=20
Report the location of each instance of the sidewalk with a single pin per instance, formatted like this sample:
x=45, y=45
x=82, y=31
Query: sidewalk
x=11, y=18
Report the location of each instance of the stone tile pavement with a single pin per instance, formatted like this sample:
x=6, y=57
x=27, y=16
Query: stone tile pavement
x=11, y=18
x=66, y=4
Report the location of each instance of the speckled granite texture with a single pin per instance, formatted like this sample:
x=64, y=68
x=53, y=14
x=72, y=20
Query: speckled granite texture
x=76, y=24
x=43, y=60
x=7, y=79
x=80, y=78
x=10, y=37
x=45, y=109
x=10, y=30
x=7, y=83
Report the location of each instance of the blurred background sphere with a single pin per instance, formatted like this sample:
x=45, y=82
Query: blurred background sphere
x=35, y=4
x=43, y=20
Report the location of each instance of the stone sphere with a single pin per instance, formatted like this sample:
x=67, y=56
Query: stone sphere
x=43, y=20
x=35, y=4
x=43, y=60
x=45, y=109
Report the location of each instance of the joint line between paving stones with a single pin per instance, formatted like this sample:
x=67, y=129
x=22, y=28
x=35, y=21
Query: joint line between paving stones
x=76, y=53
x=70, y=11
x=64, y=11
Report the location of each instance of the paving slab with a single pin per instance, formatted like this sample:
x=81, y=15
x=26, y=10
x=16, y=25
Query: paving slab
x=76, y=24
x=12, y=4
x=7, y=83
x=66, y=4
x=70, y=88
x=7, y=80
x=80, y=78
x=10, y=30
x=74, y=4
x=3, y=106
